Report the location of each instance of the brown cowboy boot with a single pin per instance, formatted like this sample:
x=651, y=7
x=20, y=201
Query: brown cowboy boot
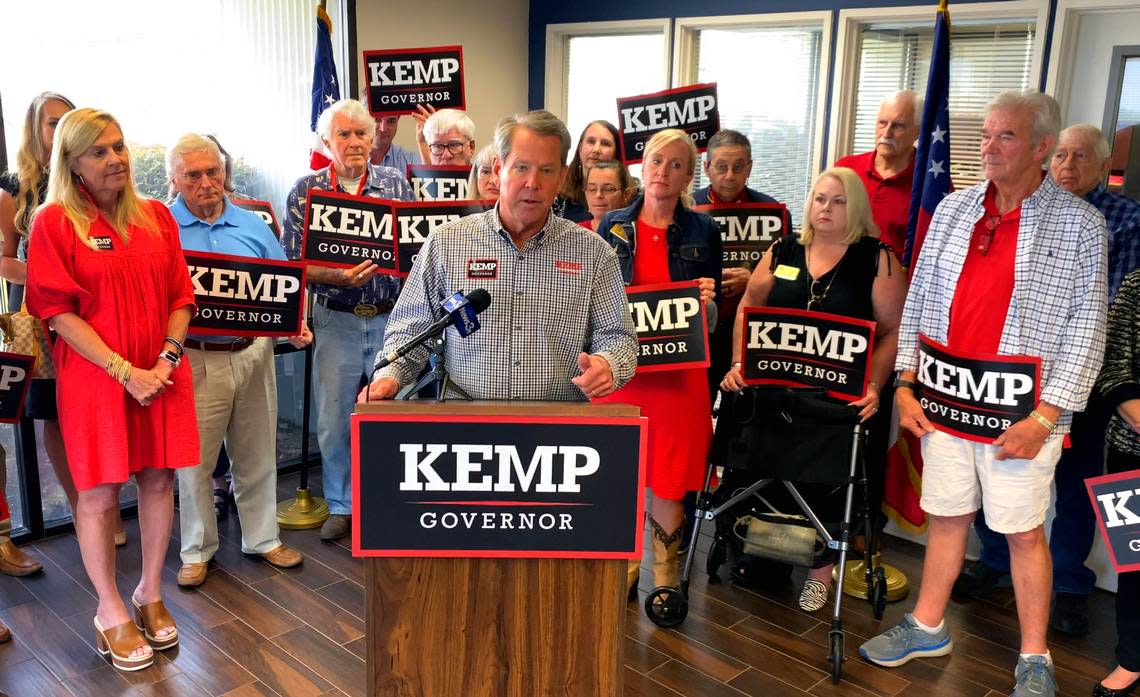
x=665, y=545
x=632, y=575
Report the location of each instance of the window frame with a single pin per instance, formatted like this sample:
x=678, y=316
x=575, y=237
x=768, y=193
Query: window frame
x=1066, y=33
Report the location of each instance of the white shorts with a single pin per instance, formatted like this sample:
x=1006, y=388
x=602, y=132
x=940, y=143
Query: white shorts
x=960, y=476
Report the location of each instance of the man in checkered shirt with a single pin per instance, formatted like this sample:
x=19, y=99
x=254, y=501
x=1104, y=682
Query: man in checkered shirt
x=1013, y=266
x=558, y=327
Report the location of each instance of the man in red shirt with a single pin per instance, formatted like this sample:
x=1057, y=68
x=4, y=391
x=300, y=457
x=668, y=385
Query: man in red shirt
x=887, y=171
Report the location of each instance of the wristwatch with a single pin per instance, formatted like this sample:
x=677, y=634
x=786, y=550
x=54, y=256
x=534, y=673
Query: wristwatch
x=909, y=384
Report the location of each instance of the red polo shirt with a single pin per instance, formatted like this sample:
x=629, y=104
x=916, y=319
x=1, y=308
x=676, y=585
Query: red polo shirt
x=890, y=198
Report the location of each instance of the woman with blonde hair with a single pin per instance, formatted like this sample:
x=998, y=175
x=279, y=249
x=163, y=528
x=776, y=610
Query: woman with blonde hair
x=659, y=240
x=106, y=271
x=483, y=185
x=837, y=265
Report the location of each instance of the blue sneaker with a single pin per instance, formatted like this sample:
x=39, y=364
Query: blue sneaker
x=905, y=641
x=1034, y=678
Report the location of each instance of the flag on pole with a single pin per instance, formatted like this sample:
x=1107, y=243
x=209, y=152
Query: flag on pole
x=903, y=480
x=326, y=89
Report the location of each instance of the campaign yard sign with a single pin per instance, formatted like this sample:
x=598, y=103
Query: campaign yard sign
x=263, y=209
x=807, y=349
x=975, y=396
x=439, y=182
x=672, y=329
x=415, y=221
x=747, y=230
x=1116, y=500
x=246, y=296
x=401, y=79
x=345, y=230
x=15, y=379
x=693, y=109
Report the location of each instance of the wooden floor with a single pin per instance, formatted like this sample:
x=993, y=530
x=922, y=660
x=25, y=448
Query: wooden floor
x=254, y=630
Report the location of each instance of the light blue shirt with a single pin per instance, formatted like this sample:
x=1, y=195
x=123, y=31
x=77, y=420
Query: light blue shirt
x=399, y=158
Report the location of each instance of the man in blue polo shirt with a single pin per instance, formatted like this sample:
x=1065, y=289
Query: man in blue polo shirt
x=235, y=386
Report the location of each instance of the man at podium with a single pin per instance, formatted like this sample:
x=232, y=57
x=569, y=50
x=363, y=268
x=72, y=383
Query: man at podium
x=558, y=325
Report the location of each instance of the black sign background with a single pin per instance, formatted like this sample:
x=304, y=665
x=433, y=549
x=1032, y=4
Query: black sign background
x=606, y=516
x=747, y=220
x=411, y=242
x=349, y=250
x=695, y=336
x=633, y=141
x=781, y=367
x=935, y=403
x=455, y=180
x=403, y=99
x=14, y=385
x=263, y=209
x=212, y=312
x=1121, y=538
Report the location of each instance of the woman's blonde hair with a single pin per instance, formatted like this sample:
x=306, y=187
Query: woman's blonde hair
x=484, y=158
x=76, y=132
x=859, y=222
x=31, y=167
x=675, y=135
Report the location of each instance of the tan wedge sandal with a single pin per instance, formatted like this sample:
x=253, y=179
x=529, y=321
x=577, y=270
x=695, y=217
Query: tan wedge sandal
x=152, y=617
x=118, y=643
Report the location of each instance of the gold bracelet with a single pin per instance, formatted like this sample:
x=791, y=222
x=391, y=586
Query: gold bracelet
x=1036, y=416
x=125, y=372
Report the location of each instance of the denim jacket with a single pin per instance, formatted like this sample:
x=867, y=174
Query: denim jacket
x=693, y=238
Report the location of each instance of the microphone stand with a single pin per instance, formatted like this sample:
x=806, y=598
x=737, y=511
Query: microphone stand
x=438, y=375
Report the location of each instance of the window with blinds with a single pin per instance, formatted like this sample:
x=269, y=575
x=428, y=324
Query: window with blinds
x=985, y=59
x=775, y=107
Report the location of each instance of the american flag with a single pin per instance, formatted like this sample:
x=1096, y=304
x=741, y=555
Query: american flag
x=326, y=89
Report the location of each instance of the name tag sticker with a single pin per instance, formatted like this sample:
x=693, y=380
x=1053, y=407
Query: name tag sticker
x=101, y=244
x=788, y=273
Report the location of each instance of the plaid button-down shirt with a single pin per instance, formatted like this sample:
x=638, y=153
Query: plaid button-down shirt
x=1122, y=215
x=1057, y=311
x=559, y=295
x=382, y=182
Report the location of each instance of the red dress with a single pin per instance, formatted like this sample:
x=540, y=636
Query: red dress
x=126, y=293
x=675, y=402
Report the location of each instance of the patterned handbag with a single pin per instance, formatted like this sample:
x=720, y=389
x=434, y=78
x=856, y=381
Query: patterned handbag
x=23, y=333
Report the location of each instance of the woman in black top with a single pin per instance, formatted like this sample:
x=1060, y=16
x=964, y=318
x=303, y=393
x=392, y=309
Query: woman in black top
x=836, y=266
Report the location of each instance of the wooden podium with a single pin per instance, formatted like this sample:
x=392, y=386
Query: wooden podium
x=485, y=622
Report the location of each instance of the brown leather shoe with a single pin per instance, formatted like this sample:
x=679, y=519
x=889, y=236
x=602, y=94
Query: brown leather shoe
x=14, y=562
x=283, y=557
x=192, y=575
x=5, y=634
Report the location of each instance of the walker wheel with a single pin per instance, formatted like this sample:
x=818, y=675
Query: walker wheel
x=835, y=654
x=666, y=607
x=878, y=593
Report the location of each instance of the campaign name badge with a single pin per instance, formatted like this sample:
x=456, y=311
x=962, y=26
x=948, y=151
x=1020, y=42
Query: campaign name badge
x=415, y=222
x=101, y=244
x=671, y=326
x=439, y=182
x=693, y=109
x=263, y=210
x=345, y=230
x=975, y=396
x=747, y=230
x=799, y=348
x=401, y=79
x=15, y=379
x=245, y=296
x=483, y=269
x=1116, y=500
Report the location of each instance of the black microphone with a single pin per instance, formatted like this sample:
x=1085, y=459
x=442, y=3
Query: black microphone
x=459, y=310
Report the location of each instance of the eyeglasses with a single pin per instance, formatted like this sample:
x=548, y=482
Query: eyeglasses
x=738, y=168
x=987, y=235
x=608, y=190
x=454, y=147
x=194, y=176
x=817, y=294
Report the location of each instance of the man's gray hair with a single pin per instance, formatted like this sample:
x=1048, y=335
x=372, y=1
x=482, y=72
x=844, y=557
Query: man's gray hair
x=911, y=96
x=1046, y=112
x=354, y=110
x=444, y=120
x=727, y=138
x=540, y=122
x=190, y=142
x=1091, y=135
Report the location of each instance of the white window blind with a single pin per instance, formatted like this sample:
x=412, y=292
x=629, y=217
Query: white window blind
x=985, y=58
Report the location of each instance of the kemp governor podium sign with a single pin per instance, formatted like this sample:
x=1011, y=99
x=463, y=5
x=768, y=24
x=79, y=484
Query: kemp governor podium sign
x=497, y=486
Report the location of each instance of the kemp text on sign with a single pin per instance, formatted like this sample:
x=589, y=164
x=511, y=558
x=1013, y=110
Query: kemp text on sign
x=415, y=221
x=497, y=486
x=263, y=209
x=671, y=325
x=1116, y=500
x=747, y=230
x=246, y=296
x=15, y=378
x=401, y=79
x=344, y=230
x=693, y=109
x=974, y=396
x=439, y=182
x=807, y=349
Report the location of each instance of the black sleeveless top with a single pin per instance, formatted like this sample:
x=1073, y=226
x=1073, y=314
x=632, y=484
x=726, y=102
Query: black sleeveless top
x=844, y=290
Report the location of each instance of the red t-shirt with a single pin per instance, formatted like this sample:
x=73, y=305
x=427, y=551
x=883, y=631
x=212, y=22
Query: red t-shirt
x=890, y=198
x=985, y=288
x=651, y=259
x=588, y=224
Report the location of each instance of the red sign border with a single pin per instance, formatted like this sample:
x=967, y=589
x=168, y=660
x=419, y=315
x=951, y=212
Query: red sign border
x=663, y=93
x=1108, y=479
x=28, y=381
x=267, y=204
x=209, y=331
x=425, y=51
x=640, y=421
x=687, y=365
x=348, y=197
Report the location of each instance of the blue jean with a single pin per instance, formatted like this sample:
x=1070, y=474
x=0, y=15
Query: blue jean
x=1074, y=525
x=344, y=351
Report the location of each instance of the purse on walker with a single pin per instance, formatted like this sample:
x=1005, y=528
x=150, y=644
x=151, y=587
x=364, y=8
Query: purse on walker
x=25, y=334
x=786, y=538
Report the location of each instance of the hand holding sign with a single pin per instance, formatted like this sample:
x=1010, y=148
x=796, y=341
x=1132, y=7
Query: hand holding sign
x=733, y=280
x=303, y=339
x=597, y=379
x=1023, y=440
x=359, y=275
x=734, y=379
x=708, y=289
x=911, y=416
x=869, y=403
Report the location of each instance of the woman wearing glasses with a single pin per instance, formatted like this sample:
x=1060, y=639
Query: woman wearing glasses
x=838, y=266
x=608, y=188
